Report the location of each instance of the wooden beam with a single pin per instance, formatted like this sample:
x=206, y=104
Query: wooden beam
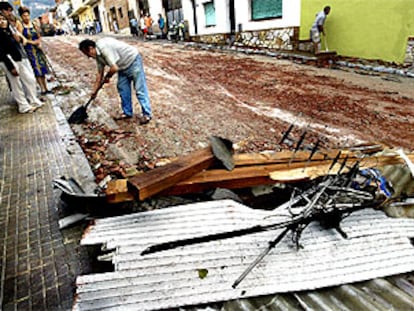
x=117, y=192
x=246, y=159
x=286, y=156
x=154, y=181
x=248, y=176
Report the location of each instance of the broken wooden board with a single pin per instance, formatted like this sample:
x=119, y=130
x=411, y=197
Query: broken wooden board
x=117, y=192
x=326, y=169
x=248, y=176
x=249, y=159
x=154, y=181
x=285, y=156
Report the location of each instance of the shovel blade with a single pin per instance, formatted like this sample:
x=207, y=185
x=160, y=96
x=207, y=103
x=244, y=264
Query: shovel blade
x=78, y=116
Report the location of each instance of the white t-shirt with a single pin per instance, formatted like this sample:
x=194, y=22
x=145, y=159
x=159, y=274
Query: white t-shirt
x=110, y=51
x=319, y=21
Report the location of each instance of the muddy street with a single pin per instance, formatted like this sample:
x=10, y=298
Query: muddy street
x=248, y=99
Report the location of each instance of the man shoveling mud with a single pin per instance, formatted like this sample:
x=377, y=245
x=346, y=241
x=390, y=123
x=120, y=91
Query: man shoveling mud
x=125, y=60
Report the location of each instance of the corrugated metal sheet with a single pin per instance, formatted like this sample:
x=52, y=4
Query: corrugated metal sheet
x=377, y=246
x=391, y=293
x=378, y=294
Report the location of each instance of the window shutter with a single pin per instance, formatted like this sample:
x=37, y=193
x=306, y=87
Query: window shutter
x=262, y=9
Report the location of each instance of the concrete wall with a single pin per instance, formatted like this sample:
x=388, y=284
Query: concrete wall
x=123, y=21
x=290, y=18
x=275, y=34
x=370, y=29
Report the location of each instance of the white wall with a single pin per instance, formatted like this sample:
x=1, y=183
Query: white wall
x=222, y=17
x=290, y=18
x=132, y=5
x=188, y=14
x=155, y=8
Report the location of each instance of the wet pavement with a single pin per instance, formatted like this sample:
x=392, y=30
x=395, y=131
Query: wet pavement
x=39, y=262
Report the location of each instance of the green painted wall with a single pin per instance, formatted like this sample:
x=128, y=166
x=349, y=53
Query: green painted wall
x=370, y=29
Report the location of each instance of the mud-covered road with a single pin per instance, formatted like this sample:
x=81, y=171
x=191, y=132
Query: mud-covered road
x=248, y=99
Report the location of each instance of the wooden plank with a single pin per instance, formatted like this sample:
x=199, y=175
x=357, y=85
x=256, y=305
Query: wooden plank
x=154, y=181
x=248, y=176
x=117, y=192
x=285, y=156
x=246, y=159
x=313, y=172
x=240, y=177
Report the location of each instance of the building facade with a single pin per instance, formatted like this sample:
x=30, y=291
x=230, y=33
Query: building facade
x=377, y=29
x=270, y=24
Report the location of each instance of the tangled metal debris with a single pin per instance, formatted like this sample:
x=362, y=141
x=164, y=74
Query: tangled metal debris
x=327, y=202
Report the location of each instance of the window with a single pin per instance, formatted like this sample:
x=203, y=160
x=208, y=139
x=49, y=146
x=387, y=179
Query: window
x=210, y=12
x=121, y=15
x=266, y=9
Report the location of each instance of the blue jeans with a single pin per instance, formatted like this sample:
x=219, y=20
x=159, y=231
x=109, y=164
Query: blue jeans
x=134, y=73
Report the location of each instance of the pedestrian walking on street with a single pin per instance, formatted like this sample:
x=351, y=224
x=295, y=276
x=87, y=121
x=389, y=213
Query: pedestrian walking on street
x=133, y=25
x=14, y=63
x=161, y=25
x=148, y=23
x=143, y=27
x=33, y=49
x=7, y=10
x=318, y=28
x=125, y=60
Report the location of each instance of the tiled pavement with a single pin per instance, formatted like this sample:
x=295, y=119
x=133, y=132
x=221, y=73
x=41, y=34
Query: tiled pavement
x=39, y=263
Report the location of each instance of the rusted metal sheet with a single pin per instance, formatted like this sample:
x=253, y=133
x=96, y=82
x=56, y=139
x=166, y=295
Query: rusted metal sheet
x=377, y=246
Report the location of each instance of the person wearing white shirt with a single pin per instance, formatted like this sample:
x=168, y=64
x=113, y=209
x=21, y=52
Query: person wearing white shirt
x=318, y=28
x=125, y=61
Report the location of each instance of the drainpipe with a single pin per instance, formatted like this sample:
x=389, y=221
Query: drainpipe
x=194, y=17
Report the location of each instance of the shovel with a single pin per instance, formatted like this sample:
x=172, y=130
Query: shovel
x=80, y=114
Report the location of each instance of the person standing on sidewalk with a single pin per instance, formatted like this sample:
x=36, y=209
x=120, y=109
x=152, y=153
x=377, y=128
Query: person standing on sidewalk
x=125, y=60
x=133, y=25
x=18, y=70
x=33, y=49
x=148, y=23
x=161, y=25
x=143, y=27
x=318, y=28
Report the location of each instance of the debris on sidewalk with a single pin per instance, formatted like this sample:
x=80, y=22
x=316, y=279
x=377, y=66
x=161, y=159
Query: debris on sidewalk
x=334, y=216
x=376, y=246
x=199, y=171
x=71, y=220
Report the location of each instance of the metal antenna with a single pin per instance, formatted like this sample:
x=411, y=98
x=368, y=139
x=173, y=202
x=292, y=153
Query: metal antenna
x=301, y=139
x=313, y=151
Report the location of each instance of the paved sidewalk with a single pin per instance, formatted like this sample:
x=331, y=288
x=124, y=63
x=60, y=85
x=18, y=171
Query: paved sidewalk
x=39, y=263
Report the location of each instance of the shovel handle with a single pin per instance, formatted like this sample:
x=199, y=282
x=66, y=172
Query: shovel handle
x=97, y=90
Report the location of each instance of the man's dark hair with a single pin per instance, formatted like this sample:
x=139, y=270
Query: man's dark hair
x=327, y=9
x=85, y=44
x=23, y=10
x=4, y=5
